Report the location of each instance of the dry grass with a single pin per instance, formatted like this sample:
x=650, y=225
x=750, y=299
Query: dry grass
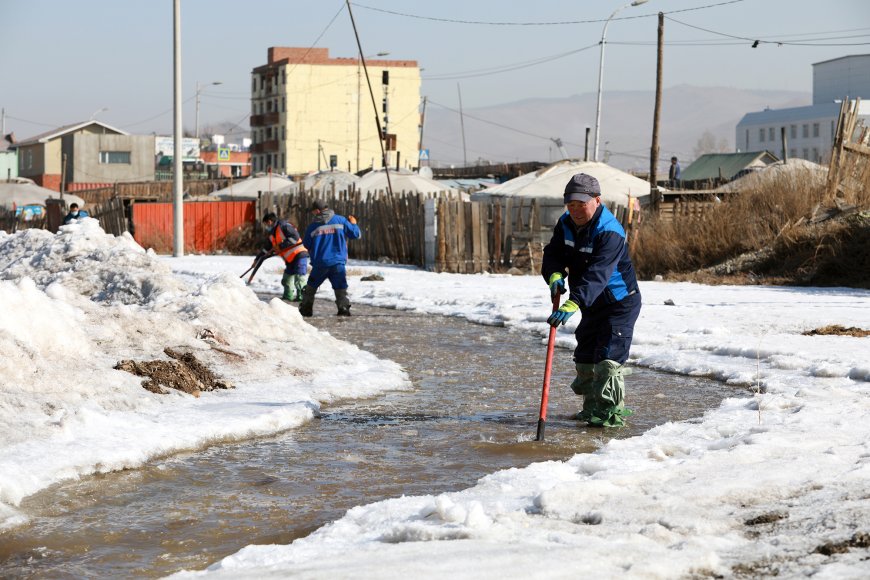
x=766, y=220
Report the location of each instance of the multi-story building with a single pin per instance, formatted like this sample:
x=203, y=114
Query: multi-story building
x=809, y=131
x=310, y=112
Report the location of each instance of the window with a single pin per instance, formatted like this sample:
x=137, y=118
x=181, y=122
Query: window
x=806, y=131
x=115, y=157
x=815, y=129
x=792, y=153
x=806, y=153
x=253, y=84
x=761, y=134
x=832, y=130
x=771, y=133
x=283, y=104
x=815, y=155
x=792, y=131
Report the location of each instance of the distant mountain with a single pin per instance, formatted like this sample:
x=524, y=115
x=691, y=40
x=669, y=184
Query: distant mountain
x=522, y=130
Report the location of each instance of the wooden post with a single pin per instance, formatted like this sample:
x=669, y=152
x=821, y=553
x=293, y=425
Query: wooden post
x=654, y=150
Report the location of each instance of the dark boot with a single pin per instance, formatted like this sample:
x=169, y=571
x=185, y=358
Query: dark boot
x=306, y=307
x=342, y=302
x=288, y=289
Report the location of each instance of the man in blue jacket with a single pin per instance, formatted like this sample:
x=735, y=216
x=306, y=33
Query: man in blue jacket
x=326, y=239
x=589, y=247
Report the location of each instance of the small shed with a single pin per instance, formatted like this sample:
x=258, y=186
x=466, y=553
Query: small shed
x=717, y=168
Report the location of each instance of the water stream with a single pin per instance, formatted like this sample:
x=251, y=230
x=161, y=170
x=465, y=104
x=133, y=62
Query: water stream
x=473, y=411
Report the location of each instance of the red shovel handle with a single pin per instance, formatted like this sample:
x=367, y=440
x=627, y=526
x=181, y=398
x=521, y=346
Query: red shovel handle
x=545, y=392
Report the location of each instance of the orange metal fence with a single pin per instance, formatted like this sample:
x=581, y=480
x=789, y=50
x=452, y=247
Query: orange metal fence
x=208, y=226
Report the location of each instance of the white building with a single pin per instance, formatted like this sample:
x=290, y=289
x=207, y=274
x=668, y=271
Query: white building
x=809, y=131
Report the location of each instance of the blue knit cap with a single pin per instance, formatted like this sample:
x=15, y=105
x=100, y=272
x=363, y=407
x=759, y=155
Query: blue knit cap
x=582, y=187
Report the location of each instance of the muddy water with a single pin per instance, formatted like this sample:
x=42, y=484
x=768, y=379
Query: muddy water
x=473, y=411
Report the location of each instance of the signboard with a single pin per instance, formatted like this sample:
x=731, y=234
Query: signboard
x=223, y=153
x=165, y=147
x=424, y=155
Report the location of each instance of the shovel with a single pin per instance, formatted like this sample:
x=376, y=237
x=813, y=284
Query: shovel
x=545, y=393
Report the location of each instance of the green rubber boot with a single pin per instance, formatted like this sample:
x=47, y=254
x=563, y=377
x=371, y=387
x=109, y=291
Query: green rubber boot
x=288, y=290
x=609, y=395
x=298, y=284
x=584, y=386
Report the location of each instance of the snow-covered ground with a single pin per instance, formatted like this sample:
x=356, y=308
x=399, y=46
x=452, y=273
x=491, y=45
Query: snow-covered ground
x=752, y=488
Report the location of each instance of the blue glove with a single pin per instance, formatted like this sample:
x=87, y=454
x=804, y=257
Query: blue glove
x=564, y=313
x=557, y=284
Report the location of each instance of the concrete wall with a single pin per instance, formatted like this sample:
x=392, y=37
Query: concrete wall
x=840, y=78
x=8, y=164
x=85, y=165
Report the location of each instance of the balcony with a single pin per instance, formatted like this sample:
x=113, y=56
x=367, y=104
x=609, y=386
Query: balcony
x=265, y=147
x=264, y=120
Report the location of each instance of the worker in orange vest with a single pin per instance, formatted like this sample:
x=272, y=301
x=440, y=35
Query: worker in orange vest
x=284, y=240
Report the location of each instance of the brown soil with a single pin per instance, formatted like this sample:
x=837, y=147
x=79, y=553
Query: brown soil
x=183, y=373
x=836, y=329
x=859, y=540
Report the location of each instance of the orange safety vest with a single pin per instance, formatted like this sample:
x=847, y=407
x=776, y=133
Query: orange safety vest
x=287, y=253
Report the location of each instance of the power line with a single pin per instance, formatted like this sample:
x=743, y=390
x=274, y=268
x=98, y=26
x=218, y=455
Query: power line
x=505, y=68
x=550, y=23
x=757, y=41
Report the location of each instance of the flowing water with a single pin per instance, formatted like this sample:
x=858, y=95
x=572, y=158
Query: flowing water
x=473, y=410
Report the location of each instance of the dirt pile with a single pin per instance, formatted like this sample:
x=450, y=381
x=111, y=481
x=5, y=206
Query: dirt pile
x=183, y=373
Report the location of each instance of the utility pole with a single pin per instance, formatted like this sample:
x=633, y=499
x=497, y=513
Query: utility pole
x=422, y=126
x=654, y=150
x=177, y=166
x=462, y=127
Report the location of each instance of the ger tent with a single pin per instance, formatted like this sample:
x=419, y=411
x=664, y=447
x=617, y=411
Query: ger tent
x=324, y=181
x=251, y=187
x=617, y=186
x=402, y=181
x=22, y=192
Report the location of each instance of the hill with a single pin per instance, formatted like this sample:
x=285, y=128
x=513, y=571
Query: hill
x=522, y=130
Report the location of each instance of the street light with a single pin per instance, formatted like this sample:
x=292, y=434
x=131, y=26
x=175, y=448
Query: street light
x=601, y=73
x=97, y=112
x=359, y=97
x=198, y=91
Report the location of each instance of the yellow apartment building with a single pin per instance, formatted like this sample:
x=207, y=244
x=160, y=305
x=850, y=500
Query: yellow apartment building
x=310, y=112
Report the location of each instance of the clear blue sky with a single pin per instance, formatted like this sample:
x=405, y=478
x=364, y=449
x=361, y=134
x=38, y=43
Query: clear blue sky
x=63, y=60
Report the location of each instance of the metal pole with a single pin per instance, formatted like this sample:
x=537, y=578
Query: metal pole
x=177, y=167
x=462, y=127
x=196, y=123
x=601, y=75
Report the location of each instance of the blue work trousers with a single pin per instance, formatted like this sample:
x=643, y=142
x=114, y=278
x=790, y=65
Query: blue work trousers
x=605, y=331
x=336, y=275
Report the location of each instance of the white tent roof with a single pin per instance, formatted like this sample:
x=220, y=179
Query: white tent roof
x=323, y=180
x=402, y=180
x=23, y=192
x=249, y=188
x=549, y=182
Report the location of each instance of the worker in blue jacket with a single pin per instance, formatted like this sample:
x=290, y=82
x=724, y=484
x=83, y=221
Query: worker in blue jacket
x=589, y=248
x=326, y=239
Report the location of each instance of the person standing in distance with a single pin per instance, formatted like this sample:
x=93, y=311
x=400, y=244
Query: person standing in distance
x=674, y=173
x=326, y=239
x=589, y=248
x=283, y=240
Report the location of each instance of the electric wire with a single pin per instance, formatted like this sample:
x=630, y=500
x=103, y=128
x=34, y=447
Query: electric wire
x=544, y=23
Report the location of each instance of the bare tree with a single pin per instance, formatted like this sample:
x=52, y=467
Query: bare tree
x=707, y=143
